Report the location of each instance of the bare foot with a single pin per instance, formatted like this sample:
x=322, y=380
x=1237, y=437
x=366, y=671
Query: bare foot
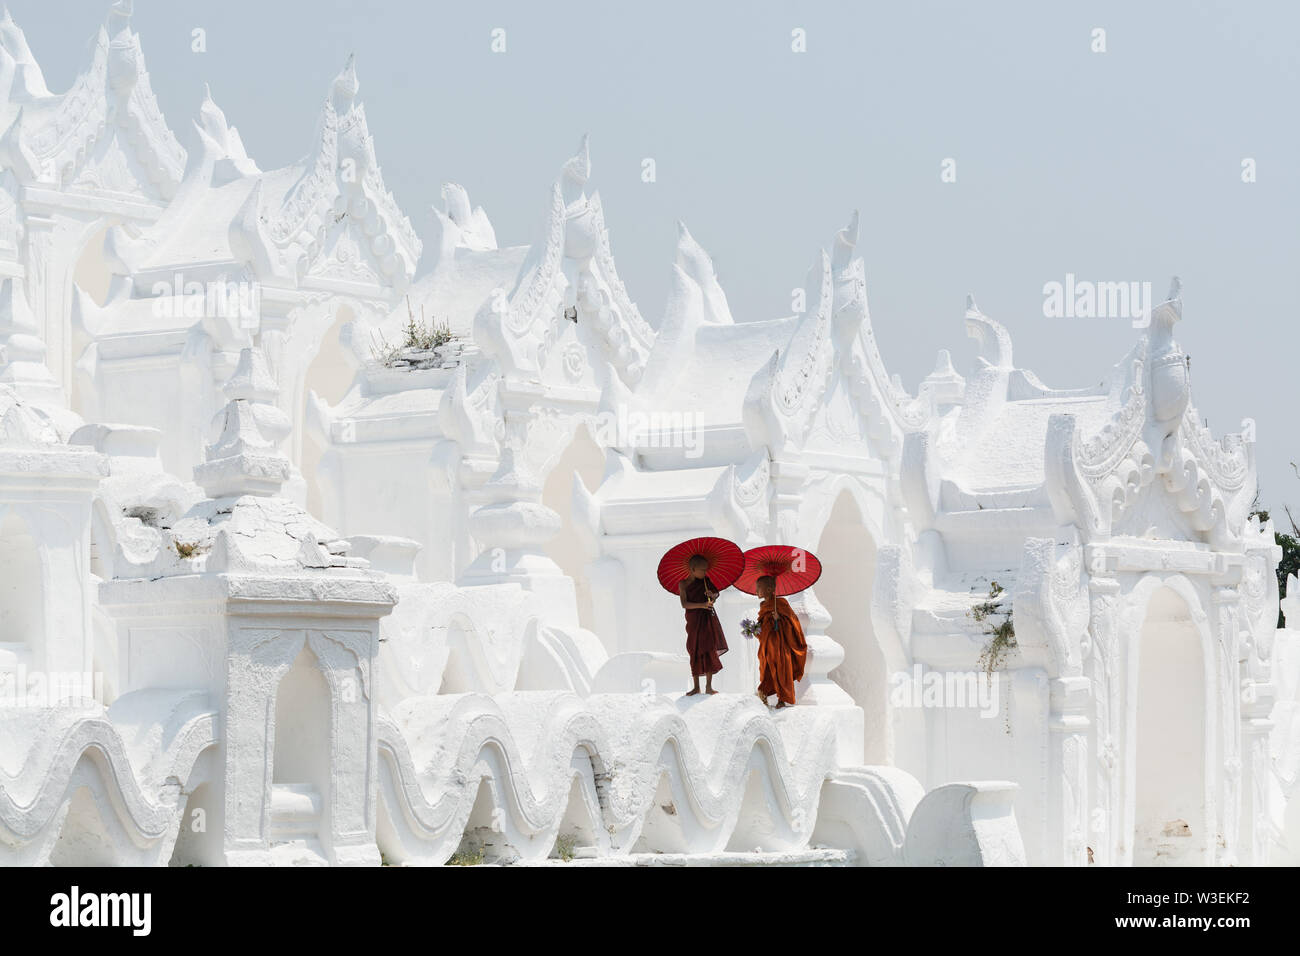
x=692, y=693
x=710, y=691
x=782, y=704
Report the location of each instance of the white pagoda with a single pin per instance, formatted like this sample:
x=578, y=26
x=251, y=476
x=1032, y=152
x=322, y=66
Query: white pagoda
x=290, y=577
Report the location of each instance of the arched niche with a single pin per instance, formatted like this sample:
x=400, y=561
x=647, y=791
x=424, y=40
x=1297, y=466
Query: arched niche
x=303, y=725
x=75, y=261
x=91, y=273
x=334, y=366
x=584, y=458
x=847, y=549
x=329, y=375
x=1173, y=819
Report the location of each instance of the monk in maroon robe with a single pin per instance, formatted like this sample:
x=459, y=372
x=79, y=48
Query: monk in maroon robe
x=782, y=650
x=704, y=640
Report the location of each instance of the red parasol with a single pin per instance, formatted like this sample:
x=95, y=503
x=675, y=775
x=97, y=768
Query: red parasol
x=725, y=562
x=795, y=569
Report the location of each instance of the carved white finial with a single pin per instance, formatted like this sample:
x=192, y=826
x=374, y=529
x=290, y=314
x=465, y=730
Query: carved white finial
x=849, y=234
x=252, y=379
x=27, y=78
x=119, y=15
x=691, y=255
x=346, y=86
x=944, y=384
x=698, y=265
x=245, y=459
x=456, y=201
x=219, y=142
x=1164, y=316
x=118, y=24
x=212, y=119
x=994, y=341
x=576, y=171
x=846, y=242
x=464, y=225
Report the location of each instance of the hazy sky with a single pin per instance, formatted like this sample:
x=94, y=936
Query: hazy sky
x=1117, y=166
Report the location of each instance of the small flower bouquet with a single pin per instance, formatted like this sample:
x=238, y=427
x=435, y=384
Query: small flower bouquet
x=749, y=628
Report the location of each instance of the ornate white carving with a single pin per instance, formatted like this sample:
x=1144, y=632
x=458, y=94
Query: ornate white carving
x=245, y=459
x=784, y=397
x=58, y=143
x=470, y=415
x=1051, y=601
x=1100, y=454
x=342, y=191
x=1224, y=461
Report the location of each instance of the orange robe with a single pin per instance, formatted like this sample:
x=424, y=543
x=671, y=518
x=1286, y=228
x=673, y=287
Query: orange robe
x=782, y=649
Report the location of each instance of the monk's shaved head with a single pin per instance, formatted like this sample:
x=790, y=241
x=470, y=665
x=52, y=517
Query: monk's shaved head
x=699, y=561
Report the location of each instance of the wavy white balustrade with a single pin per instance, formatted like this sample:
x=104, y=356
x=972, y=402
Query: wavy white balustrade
x=137, y=761
x=651, y=774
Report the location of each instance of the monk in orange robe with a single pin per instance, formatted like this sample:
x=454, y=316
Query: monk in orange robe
x=705, y=642
x=782, y=650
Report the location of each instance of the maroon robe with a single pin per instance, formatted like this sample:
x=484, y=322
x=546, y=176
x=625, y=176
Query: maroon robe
x=704, y=640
